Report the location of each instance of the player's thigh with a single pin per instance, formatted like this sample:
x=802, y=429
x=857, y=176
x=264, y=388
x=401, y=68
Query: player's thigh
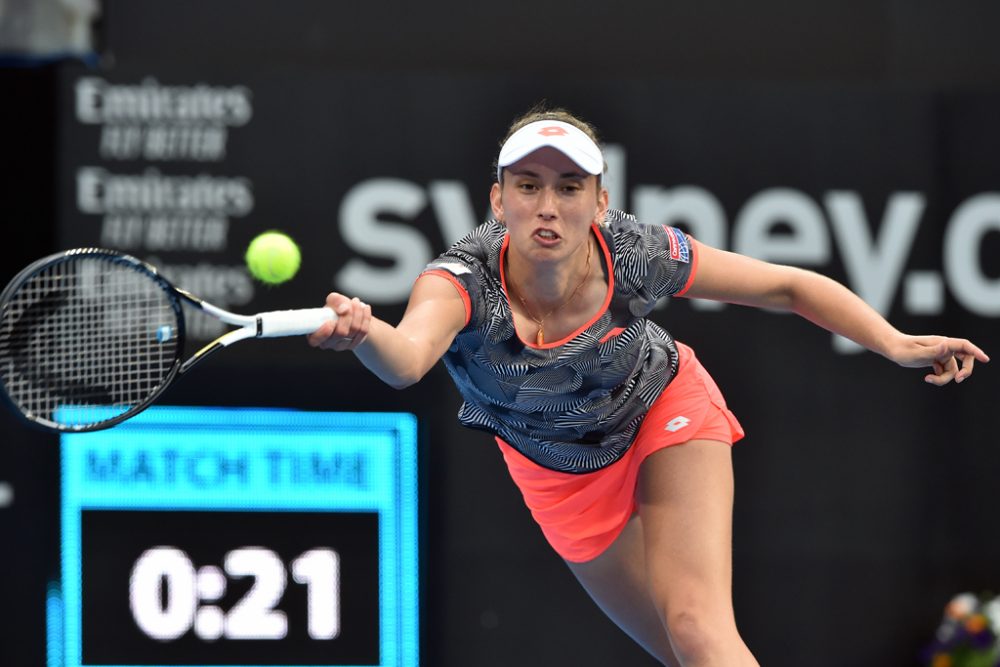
x=617, y=582
x=685, y=499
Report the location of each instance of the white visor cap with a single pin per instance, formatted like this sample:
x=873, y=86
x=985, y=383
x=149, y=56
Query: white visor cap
x=569, y=140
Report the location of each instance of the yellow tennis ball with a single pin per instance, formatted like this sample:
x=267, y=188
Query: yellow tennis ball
x=273, y=258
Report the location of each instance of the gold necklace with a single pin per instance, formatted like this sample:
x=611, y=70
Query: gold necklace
x=540, y=336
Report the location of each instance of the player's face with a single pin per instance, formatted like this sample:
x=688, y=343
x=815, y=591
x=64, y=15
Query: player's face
x=548, y=204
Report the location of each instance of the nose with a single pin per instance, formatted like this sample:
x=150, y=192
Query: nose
x=547, y=204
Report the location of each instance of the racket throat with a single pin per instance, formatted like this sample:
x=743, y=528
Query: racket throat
x=218, y=344
x=199, y=355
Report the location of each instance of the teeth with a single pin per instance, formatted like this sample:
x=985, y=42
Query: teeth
x=547, y=234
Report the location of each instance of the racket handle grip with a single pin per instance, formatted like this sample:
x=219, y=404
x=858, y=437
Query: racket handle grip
x=292, y=322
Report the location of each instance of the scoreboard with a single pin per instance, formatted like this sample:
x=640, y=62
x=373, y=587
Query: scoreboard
x=240, y=537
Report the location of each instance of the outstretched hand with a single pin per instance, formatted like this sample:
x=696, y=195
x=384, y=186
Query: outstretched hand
x=349, y=329
x=950, y=358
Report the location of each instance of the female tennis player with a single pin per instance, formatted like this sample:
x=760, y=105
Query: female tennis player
x=615, y=434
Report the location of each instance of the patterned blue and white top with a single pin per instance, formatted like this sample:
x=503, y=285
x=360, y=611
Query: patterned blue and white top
x=574, y=405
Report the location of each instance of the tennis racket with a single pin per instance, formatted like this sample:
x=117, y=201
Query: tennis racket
x=90, y=337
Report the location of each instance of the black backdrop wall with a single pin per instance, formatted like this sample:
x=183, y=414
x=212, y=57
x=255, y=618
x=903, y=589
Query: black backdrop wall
x=856, y=139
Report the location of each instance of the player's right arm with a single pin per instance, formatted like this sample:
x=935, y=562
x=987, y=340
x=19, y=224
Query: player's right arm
x=398, y=355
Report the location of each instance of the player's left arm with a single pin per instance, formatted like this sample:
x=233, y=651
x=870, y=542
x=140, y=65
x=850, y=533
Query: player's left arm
x=734, y=278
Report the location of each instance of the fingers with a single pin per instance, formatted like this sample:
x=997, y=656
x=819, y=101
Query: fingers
x=946, y=366
x=962, y=347
x=967, y=363
x=944, y=372
x=361, y=317
x=320, y=336
x=349, y=329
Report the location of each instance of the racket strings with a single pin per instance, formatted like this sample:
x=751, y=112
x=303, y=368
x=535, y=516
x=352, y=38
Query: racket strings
x=81, y=341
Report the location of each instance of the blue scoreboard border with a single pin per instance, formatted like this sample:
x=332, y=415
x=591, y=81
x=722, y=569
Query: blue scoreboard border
x=387, y=441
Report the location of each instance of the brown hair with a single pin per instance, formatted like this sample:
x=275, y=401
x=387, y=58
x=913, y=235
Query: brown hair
x=541, y=111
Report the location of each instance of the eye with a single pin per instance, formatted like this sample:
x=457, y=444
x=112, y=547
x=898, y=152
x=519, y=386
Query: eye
x=526, y=186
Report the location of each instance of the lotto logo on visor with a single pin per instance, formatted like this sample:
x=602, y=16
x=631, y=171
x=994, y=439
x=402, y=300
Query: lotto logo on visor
x=569, y=140
x=552, y=131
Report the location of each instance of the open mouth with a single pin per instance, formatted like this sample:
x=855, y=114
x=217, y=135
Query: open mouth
x=547, y=235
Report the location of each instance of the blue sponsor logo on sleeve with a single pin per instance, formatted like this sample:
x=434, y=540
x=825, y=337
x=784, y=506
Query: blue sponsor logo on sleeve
x=680, y=249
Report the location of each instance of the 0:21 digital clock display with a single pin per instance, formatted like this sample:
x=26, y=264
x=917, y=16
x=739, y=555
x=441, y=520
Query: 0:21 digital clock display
x=230, y=587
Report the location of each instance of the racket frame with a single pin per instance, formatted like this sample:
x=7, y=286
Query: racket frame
x=261, y=325
x=174, y=298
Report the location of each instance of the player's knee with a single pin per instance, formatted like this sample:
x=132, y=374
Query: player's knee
x=694, y=635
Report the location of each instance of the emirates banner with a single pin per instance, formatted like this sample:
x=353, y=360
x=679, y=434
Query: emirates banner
x=893, y=193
